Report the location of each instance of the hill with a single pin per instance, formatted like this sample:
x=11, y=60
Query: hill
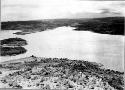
x=58, y=73
x=108, y=25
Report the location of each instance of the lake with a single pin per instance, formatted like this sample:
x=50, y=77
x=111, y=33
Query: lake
x=64, y=42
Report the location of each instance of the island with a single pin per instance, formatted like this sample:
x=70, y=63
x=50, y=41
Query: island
x=12, y=46
x=13, y=42
x=12, y=51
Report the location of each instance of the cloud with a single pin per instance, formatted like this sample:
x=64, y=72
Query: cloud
x=116, y=7
x=109, y=11
x=48, y=9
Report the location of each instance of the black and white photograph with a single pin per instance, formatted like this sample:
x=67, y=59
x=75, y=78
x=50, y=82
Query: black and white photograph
x=62, y=45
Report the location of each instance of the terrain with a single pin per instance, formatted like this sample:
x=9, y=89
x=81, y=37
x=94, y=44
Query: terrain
x=107, y=25
x=114, y=26
x=12, y=46
x=58, y=73
x=13, y=42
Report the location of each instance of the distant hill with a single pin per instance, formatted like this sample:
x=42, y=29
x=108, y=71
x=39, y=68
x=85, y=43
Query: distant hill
x=108, y=25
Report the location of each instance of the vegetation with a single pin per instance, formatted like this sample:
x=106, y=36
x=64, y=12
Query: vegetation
x=5, y=51
x=61, y=72
x=108, y=25
x=28, y=27
x=12, y=46
x=13, y=42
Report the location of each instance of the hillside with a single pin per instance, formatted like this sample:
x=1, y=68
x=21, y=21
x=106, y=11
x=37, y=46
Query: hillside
x=108, y=25
x=58, y=73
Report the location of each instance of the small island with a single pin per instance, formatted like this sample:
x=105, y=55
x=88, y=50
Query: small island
x=13, y=42
x=12, y=51
x=12, y=46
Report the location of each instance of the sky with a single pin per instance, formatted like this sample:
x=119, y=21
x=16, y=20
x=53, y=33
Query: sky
x=14, y=10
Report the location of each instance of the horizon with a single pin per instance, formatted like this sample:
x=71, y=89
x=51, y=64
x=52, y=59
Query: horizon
x=63, y=19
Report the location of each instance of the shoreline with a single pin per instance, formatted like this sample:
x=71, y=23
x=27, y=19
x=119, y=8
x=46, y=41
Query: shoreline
x=31, y=58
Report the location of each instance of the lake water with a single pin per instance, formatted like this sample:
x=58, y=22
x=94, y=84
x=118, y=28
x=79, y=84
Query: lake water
x=67, y=43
